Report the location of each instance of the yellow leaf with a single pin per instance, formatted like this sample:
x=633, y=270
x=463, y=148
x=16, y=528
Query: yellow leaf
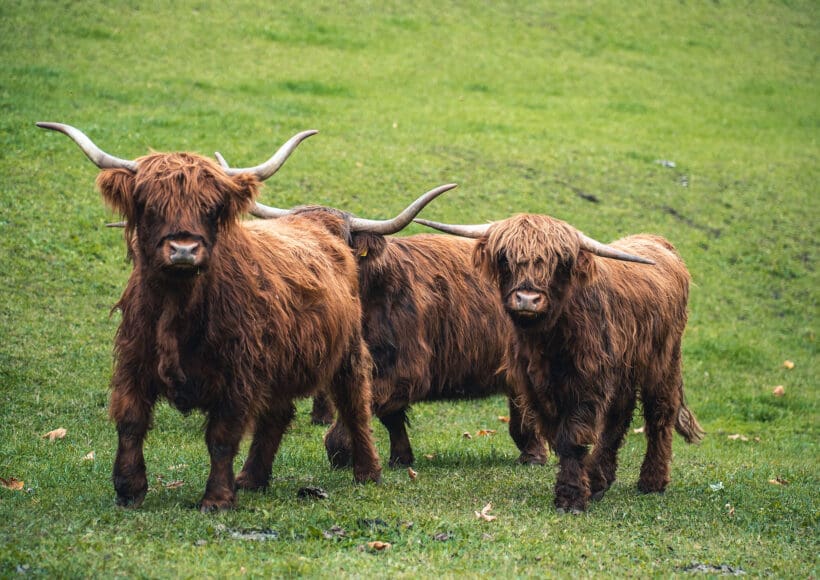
x=779, y=481
x=412, y=473
x=11, y=483
x=56, y=434
x=379, y=546
x=638, y=430
x=484, y=514
x=89, y=457
x=173, y=484
x=466, y=435
x=779, y=391
x=429, y=456
x=788, y=364
x=737, y=436
x=503, y=419
x=485, y=432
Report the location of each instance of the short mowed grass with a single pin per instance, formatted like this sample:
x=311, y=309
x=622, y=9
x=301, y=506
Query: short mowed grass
x=695, y=120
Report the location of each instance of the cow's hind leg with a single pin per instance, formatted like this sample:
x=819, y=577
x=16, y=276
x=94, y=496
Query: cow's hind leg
x=401, y=453
x=603, y=462
x=270, y=427
x=661, y=401
x=322, y=411
x=222, y=435
x=350, y=389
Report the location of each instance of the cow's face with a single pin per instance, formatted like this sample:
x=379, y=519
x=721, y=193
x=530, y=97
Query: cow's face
x=535, y=262
x=175, y=206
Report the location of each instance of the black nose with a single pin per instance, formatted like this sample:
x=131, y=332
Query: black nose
x=183, y=253
x=527, y=300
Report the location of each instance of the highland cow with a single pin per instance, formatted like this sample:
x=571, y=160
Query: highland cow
x=591, y=332
x=236, y=319
x=434, y=330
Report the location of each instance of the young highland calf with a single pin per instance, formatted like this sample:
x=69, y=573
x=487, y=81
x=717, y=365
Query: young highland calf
x=435, y=331
x=234, y=318
x=591, y=331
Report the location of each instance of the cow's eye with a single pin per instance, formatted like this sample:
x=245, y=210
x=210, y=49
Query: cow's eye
x=503, y=263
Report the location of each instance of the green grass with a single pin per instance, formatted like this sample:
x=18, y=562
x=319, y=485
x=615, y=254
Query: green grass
x=545, y=107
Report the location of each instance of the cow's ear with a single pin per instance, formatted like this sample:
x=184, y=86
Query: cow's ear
x=586, y=270
x=368, y=246
x=484, y=260
x=117, y=188
x=244, y=189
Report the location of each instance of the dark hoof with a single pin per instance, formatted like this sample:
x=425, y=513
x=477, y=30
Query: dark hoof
x=248, y=483
x=374, y=476
x=570, y=510
x=530, y=459
x=339, y=459
x=130, y=502
x=597, y=495
x=216, y=505
x=400, y=462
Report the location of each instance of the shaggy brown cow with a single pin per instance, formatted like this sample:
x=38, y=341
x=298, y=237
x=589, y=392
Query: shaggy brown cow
x=589, y=334
x=235, y=319
x=434, y=329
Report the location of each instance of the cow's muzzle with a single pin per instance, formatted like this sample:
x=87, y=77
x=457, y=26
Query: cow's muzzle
x=527, y=302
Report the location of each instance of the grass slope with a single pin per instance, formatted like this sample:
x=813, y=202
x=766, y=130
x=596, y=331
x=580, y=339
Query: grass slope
x=541, y=107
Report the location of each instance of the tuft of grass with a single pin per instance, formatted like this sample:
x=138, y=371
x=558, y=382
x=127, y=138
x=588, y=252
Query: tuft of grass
x=697, y=121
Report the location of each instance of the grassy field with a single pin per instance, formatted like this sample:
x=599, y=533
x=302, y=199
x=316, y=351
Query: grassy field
x=695, y=120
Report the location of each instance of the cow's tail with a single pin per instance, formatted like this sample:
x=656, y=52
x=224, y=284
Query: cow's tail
x=688, y=426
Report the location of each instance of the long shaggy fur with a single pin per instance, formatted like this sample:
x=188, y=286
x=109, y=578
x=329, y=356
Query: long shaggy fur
x=435, y=331
x=271, y=315
x=605, y=331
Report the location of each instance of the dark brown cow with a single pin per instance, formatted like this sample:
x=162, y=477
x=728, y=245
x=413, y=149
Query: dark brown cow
x=435, y=331
x=590, y=333
x=235, y=319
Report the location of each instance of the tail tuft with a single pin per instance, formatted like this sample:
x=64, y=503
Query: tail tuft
x=688, y=426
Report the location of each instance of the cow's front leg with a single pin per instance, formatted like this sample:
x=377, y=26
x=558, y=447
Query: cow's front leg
x=223, y=434
x=132, y=415
x=571, y=445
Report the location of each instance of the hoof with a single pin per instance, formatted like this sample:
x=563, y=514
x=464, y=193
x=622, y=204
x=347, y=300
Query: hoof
x=368, y=476
x=570, y=510
x=646, y=488
x=402, y=461
x=130, y=502
x=530, y=459
x=213, y=505
x=597, y=495
x=246, y=482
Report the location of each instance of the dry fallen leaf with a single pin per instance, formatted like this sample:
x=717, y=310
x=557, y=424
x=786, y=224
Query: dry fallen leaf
x=412, y=473
x=788, y=364
x=730, y=509
x=779, y=481
x=503, y=419
x=466, y=435
x=429, y=456
x=638, y=430
x=484, y=514
x=737, y=436
x=173, y=484
x=379, y=546
x=11, y=483
x=89, y=457
x=56, y=434
x=485, y=432
x=779, y=391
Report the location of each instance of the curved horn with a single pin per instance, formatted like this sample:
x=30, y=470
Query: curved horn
x=391, y=226
x=605, y=251
x=116, y=225
x=272, y=165
x=465, y=231
x=261, y=210
x=97, y=156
